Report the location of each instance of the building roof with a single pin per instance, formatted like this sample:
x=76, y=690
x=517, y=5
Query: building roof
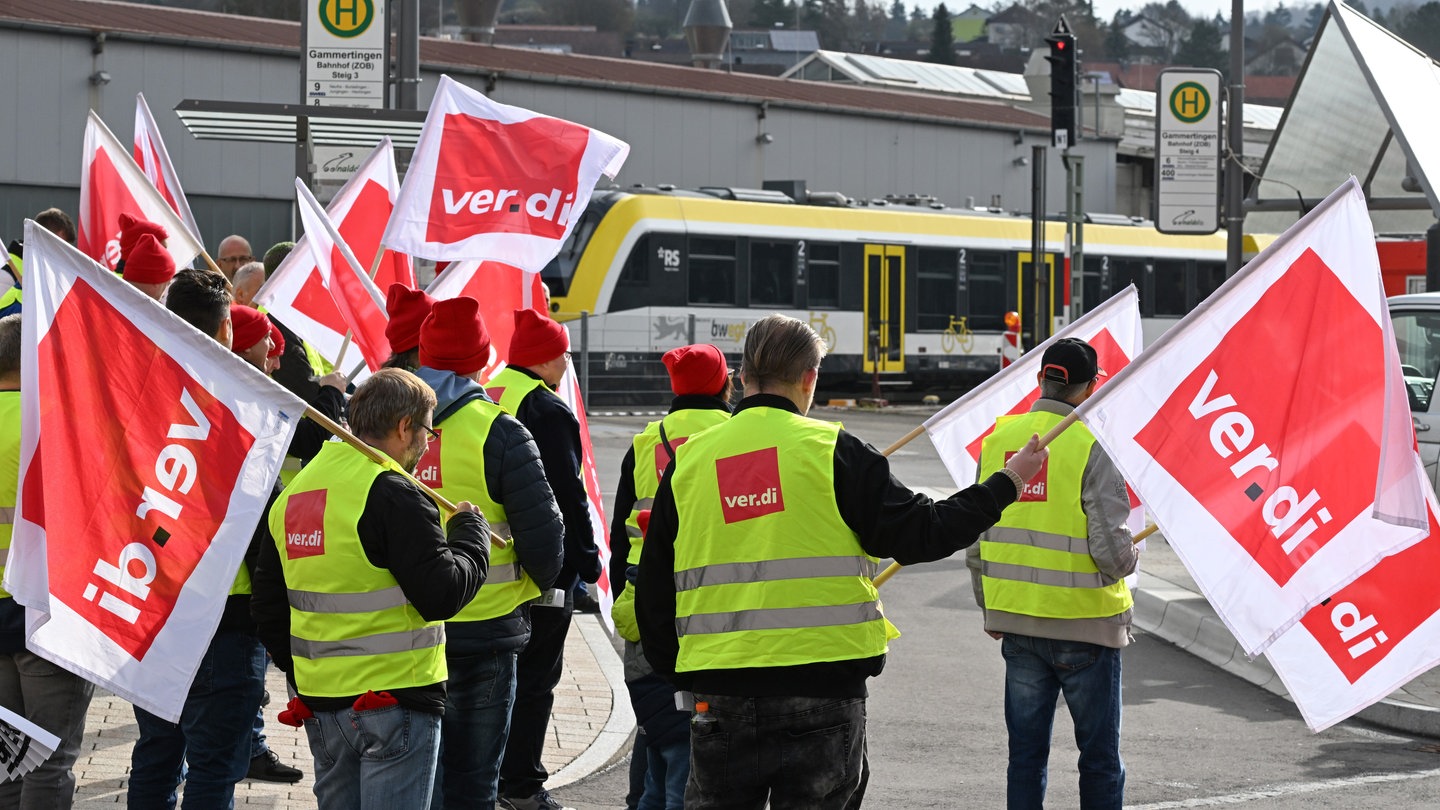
x=224, y=30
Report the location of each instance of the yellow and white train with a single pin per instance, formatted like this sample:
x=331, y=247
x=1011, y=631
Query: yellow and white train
x=915, y=292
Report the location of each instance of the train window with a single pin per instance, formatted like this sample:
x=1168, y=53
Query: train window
x=1124, y=272
x=1208, y=278
x=1168, y=290
x=712, y=271
x=985, y=282
x=822, y=267
x=561, y=269
x=772, y=273
x=1095, y=281
x=938, y=277
x=636, y=272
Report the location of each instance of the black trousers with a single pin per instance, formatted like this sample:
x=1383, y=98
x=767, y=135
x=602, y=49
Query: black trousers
x=536, y=673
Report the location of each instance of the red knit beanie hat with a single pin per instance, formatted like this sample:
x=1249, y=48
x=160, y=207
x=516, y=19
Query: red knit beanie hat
x=537, y=339
x=454, y=337
x=696, y=369
x=149, y=262
x=408, y=309
x=279, y=339
x=248, y=327
x=132, y=228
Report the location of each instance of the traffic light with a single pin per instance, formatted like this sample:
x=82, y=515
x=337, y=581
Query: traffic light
x=1062, y=84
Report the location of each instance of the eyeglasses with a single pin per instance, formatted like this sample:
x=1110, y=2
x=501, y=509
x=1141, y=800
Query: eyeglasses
x=433, y=435
x=237, y=259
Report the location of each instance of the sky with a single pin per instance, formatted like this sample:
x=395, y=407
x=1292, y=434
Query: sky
x=1105, y=9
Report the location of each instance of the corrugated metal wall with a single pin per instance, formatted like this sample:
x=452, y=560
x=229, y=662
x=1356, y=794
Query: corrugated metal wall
x=246, y=187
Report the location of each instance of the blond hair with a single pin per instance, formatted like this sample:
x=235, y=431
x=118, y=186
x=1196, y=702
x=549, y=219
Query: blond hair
x=780, y=349
x=391, y=394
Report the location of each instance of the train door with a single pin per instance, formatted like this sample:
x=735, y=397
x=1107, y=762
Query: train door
x=884, y=308
x=1040, y=298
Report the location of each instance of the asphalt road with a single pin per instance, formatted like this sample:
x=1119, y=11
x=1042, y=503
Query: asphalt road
x=1193, y=736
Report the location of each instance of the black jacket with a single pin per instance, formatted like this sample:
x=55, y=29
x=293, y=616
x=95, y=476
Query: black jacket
x=439, y=572
x=889, y=521
x=515, y=479
x=625, y=496
x=557, y=435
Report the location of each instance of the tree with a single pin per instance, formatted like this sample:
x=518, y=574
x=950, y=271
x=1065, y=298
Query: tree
x=1312, y=20
x=942, y=38
x=1202, y=46
x=1421, y=28
x=1117, y=45
x=767, y=13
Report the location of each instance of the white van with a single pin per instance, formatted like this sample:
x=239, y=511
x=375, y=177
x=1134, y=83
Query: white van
x=1417, y=335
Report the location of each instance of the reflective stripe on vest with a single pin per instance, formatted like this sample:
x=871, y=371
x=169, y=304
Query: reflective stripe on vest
x=455, y=465
x=1036, y=560
x=9, y=472
x=649, y=452
x=351, y=628
x=767, y=572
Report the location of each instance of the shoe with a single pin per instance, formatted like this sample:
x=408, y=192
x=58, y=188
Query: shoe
x=585, y=603
x=540, y=801
x=265, y=698
x=267, y=767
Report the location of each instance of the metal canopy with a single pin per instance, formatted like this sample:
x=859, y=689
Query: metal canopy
x=280, y=123
x=1366, y=104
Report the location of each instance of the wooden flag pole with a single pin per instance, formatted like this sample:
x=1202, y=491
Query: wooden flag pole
x=904, y=440
x=1045, y=441
x=381, y=459
x=209, y=262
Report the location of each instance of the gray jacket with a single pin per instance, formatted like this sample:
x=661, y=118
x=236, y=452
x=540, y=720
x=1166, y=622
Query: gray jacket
x=1107, y=506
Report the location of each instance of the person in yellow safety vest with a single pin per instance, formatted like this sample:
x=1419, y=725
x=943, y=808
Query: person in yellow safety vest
x=13, y=296
x=1050, y=577
x=700, y=379
x=213, y=735
x=755, y=591
x=350, y=596
x=32, y=687
x=484, y=455
x=538, y=357
x=407, y=310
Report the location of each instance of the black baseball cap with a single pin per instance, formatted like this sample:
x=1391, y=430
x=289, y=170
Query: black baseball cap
x=1070, y=361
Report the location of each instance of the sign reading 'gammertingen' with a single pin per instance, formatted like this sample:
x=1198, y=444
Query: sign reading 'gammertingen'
x=1187, y=151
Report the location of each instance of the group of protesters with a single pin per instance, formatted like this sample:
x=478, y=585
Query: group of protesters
x=423, y=648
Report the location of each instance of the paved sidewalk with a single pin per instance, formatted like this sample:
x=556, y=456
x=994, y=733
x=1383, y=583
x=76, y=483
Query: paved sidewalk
x=1168, y=604
x=590, y=724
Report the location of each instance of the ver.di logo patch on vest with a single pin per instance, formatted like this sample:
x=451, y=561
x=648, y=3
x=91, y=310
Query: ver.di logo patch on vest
x=305, y=525
x=1037, y=489
x=662, y=456
x=495, y=393
x=428, y=470
x=750, y=485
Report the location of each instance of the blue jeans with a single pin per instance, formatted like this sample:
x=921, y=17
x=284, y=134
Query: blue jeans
x=666, y=772
x=797, y=752
x=213, y=735
x=381, y=759
x=55, y=699
x=1037, y=670
x=473, y=732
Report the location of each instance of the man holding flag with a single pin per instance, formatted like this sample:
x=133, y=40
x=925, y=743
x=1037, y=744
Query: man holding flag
x=1050, y=576
x=36, y=689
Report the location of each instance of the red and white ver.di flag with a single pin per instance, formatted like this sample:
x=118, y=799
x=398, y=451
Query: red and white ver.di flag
x=1269, y=431
x=569, y=391
x=361, y=304
x=152, y=158
x=1113, y=329
x=147, y=454
x=112, y=184
x=490, y=181
x=296, y=293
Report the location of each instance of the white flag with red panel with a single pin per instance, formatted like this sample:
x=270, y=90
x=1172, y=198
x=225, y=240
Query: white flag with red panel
x=490, y=181
x=360, y=302
x=1113, y=329
x=1368, y=639
x=296, y=292
x=112, y=184
x=154, y=160
x=501, y=289
x=1269, y=431
x=131, y=527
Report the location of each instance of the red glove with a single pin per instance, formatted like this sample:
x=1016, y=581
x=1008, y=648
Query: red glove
x=295, y=713
x=374, y=700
